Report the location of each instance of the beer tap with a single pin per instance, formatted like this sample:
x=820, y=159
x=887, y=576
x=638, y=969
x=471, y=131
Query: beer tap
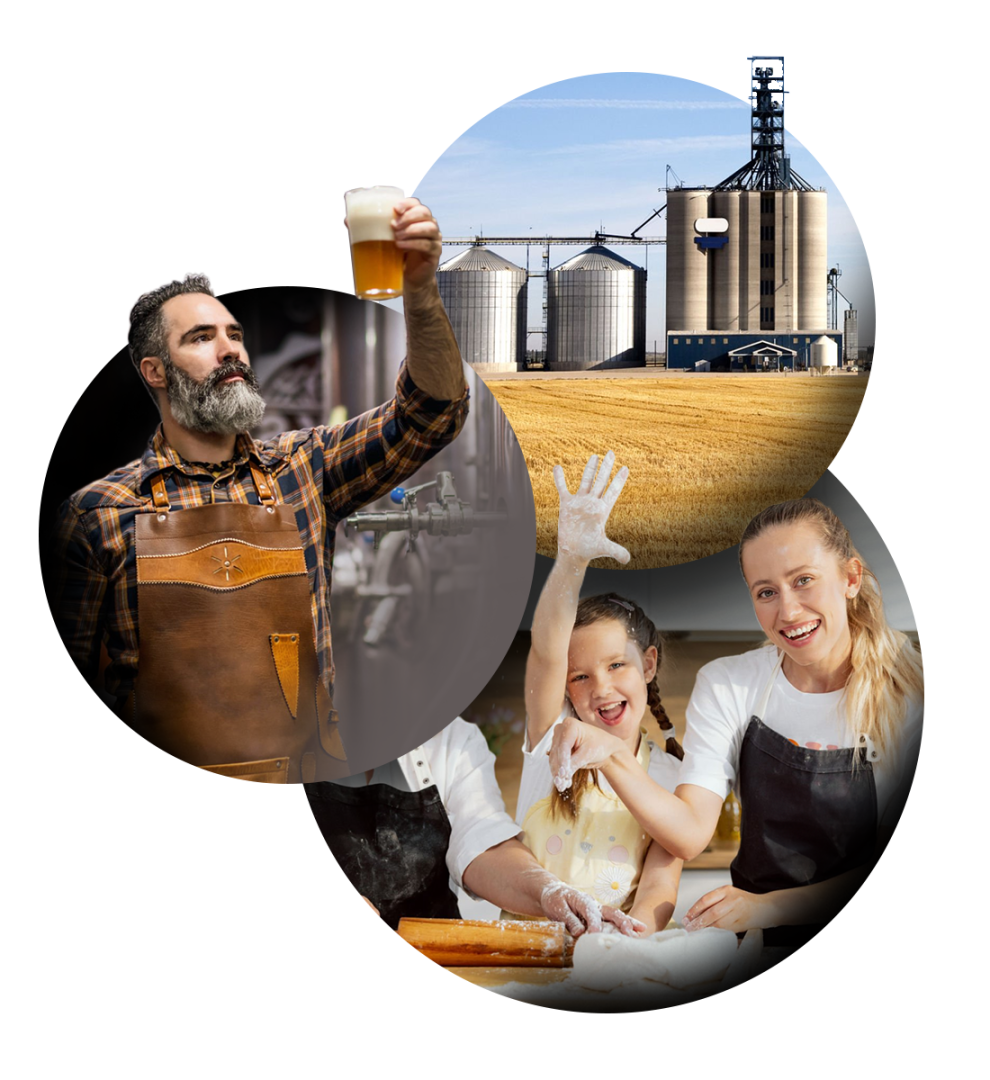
x=447, y=516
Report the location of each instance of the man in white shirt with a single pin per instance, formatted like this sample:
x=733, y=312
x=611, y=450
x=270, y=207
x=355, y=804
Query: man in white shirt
x=412, y=831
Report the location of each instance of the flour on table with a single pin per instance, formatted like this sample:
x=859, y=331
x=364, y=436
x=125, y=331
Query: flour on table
x=673, y=957
x=626, y=977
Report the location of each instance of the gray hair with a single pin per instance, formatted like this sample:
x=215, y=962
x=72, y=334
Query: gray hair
x=147, y=333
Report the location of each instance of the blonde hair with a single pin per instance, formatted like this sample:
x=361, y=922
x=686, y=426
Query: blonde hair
x=886, y=673
x=640, y=630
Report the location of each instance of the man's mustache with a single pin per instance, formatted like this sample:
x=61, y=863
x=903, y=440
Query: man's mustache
x=225, y=371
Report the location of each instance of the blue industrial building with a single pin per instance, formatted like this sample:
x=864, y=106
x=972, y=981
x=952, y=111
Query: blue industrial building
x=756, y=350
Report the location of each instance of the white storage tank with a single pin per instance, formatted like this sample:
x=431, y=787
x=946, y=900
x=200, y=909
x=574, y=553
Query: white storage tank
x=485, y=298
x=824, y=353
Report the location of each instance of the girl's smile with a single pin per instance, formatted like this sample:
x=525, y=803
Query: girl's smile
x=607, y=677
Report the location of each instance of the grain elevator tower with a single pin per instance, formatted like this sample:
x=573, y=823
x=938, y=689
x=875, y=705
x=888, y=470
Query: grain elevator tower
x=747, y=263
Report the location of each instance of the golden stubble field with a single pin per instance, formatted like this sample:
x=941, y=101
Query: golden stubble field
x=704, y=453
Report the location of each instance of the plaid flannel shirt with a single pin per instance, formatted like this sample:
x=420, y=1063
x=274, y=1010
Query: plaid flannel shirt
x=324, y=474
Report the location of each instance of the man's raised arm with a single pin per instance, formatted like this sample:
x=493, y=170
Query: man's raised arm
x=432, y=355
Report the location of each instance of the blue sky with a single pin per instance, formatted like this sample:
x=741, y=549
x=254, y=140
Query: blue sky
x=592, y=152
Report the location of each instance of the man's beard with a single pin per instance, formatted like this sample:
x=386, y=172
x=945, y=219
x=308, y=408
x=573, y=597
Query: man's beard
x=212, y=406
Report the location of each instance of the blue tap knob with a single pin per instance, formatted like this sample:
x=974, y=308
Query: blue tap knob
x=397, y=494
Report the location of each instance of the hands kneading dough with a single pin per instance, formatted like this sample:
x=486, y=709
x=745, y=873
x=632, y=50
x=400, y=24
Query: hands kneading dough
x=581, y=913
x=729, y=908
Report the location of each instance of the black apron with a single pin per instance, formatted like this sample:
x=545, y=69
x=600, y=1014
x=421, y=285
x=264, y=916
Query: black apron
x=391, y=844
x=807, y=816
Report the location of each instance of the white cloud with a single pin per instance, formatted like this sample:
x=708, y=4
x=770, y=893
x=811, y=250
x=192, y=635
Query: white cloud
x=620, y=103
x=651, y=147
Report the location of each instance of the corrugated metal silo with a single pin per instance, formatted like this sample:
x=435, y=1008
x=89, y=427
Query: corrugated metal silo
x=850, y=335
x=485, y=298
x=596, y=313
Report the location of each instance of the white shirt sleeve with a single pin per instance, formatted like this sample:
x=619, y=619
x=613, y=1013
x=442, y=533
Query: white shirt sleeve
x=536, y=782
x=721, y=703
x=464, y=771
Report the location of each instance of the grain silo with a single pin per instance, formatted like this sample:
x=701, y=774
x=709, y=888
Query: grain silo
x=596, y=313
x=485, y=298
x=687, y=264
x=850, y=336
x=824, y=353
x=747, y=259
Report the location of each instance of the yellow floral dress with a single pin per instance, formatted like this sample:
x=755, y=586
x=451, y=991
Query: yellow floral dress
x=602, y=852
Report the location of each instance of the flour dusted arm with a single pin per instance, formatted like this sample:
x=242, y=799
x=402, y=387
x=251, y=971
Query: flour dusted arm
x=509, y=876
x=580, y=538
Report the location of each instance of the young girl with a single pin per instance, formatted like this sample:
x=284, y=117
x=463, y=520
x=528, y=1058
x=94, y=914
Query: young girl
x=818, y=731
x=599, y=658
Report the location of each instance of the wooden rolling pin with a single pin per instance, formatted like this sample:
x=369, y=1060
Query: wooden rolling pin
x=476, y=943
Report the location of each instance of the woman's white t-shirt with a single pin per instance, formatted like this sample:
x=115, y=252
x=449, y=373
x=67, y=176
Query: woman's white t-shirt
x=726, y=695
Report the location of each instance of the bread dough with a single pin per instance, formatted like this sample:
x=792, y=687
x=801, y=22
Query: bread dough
x=613, y=973
x=674, y=957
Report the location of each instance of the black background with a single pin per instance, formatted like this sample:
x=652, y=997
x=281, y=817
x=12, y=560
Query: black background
x=162, y=872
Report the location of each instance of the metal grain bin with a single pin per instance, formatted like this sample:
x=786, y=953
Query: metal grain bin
x=596, y=313
x=485, y=298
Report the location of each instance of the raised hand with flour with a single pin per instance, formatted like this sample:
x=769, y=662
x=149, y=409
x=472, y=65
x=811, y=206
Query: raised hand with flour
x=593, y=665
x=582, y=517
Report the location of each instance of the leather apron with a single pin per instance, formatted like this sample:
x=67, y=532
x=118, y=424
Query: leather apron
x=228, y=675
x=807, y=815
x=391, y=844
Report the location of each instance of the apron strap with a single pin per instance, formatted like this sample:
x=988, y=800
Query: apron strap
x=761, y=705
x=264, y=486
x=865, y=744
x=159, y=496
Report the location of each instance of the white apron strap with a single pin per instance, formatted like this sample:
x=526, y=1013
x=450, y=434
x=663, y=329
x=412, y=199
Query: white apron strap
x=761, y=705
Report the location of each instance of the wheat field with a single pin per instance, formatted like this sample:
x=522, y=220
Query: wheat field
x=704, y=453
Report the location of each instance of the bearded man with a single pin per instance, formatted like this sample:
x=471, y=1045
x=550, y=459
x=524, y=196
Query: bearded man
x=197, y=578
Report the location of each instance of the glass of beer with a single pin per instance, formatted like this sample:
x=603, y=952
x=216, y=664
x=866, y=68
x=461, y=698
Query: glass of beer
x=376, y=260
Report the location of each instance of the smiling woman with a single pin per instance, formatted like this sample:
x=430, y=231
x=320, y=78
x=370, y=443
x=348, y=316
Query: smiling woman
x=818, y=733
x=826, y=615
x=819, y=730
x=799, y=589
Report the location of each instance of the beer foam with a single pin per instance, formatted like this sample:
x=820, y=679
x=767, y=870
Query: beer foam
x=370, y=212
